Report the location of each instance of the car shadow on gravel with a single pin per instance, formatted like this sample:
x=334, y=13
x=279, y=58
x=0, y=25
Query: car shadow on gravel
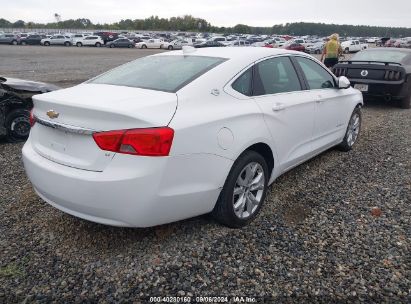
x=98, y=237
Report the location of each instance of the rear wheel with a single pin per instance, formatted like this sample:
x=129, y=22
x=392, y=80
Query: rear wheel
x=112, y=45
x=144, y=46
x=405, y=103
x=18, y=125
x=347, y=50
x=130, y=46
x=14, y=42
x=353, y=131
x=23, y=43
x=46, y=43
x=244, y=191
x=98, y=44
x=67, y=43
x=79, y=44
x=170, y=47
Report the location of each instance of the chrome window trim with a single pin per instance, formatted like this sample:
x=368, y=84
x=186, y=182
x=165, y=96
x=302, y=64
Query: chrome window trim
x=64, y=127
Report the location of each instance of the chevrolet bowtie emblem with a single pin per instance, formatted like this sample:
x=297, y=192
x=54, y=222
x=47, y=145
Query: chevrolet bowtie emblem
x=52, y=114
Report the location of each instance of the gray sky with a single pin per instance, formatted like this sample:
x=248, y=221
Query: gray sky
x=217, y=12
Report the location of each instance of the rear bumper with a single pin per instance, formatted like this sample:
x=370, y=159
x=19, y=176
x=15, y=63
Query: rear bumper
x=385, y=89
x=132, y=191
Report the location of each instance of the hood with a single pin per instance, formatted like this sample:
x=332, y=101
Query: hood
x=28, y=85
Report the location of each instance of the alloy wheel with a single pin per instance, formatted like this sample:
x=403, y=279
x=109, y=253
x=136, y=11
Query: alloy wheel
x=248, y=190
x=353, y=129
x=20, y=126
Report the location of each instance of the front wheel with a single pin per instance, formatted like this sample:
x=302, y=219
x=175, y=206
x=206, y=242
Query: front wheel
x=79, y=44
x=18, y=125
x=112, y=45
x=347, y=50
x=98, y=44
x=67, y=43
x=244, y=191
x=170, y=47
x=144, y=46
x=23, y=43
x=353, y=131
x=46, y=43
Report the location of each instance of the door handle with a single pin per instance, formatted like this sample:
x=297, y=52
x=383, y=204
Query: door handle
x=278, y=107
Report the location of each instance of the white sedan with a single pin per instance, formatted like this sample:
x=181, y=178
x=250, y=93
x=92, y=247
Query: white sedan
x=179, y=134
x=150, y=44
x=175, y=44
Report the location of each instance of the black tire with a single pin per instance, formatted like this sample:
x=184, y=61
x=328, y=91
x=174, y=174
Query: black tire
x=405, y=103
x=18, y=125
x=98, y=44
x=23, y=43
x=144, y=46
x=170, y=47
x=347, y=50
x=47, y=43
x=14, y=42
x=223, y=211
x=318, y=52
x=345, y=145
x=130, y=46
x=112, y=45
x=67, y=43
x=79, y=44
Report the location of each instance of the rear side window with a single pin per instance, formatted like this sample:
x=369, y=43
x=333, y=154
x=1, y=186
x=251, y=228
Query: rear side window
x=316, y=76
x=162, y=73
x=275, y=75
x=243, y=83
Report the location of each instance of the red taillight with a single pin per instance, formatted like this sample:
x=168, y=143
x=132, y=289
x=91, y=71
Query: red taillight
x=146, y=142
x=32, y=120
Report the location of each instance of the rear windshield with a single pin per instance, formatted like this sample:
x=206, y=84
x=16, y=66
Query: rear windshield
x=162, y=73
x=384, y=56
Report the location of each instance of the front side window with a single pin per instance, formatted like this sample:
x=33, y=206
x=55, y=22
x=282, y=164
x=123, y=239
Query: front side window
x=316, y=76
x=275, y=75
x=162, y=73
x=243, y=83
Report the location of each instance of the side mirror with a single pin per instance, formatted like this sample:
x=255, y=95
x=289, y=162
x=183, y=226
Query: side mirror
x=343, y=82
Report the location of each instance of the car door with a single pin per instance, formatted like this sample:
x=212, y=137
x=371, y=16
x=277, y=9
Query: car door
x=331, y=102
x=58, y=40
x=288, y=109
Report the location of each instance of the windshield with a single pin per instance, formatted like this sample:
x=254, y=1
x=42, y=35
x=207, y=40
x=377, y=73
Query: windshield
x=162, y=73
x=384, y=56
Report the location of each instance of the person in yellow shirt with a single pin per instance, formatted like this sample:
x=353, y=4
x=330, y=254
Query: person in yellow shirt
x=332, y=49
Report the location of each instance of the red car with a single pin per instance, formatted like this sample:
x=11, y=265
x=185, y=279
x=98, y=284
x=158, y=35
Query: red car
x=295, y=47
x=390, y=43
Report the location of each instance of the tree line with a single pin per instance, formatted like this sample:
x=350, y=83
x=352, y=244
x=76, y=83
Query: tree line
x=192, y=24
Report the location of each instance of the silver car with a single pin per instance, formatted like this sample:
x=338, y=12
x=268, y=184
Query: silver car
x=57, y=40
x=9, y=39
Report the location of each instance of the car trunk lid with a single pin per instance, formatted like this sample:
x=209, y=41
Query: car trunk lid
x=66, y=120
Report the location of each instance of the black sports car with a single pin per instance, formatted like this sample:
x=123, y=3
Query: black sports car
x=380, y=73
x=209, y=43
x=15, y=106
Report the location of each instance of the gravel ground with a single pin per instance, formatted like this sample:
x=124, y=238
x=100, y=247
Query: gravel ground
x=316, y=239
x=63, y=66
